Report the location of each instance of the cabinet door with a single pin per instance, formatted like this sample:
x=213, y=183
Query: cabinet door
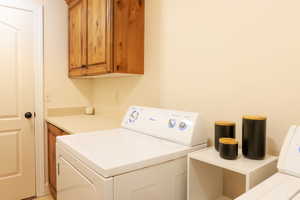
x=77, y=36
x=99, y=37
x=129, y=20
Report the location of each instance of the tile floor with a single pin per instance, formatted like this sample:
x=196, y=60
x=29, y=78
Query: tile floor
x=44, y=198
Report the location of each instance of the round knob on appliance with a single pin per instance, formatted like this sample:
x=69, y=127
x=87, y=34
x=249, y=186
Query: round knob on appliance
x=134, y=116
x=182, y=125
x=172, y=123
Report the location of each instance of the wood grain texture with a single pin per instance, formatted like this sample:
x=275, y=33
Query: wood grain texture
x=106, y=36
x=77, y=34
x=100, y=34
x=129, y=27
x=97, y=31
x=53, y=132
x=78, y=72
x=93, y=70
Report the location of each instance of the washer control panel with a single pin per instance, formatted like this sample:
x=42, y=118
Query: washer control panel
x=183, y=125
x=133, y=116
x=180, y=127
x=172, y=123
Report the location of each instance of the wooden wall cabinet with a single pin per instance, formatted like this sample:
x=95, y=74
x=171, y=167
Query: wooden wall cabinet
x=53, y=132
x=106, y=37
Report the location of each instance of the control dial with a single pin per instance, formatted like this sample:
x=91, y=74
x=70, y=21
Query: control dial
x=182, y=126
x=134, y=116
x=172, y=123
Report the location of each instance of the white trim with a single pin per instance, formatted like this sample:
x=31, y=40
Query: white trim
x=46, y=190
x=39, y=103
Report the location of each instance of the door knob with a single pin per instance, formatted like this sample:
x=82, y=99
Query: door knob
x=28, y=115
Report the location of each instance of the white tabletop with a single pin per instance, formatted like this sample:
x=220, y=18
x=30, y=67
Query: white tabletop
x=242, y=165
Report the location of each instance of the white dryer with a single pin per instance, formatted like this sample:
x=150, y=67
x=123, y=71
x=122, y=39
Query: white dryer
x=284, y=185
x=143, y=160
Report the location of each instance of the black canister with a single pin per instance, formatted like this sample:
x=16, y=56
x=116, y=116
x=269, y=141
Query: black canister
x=223, y=129
x=228, y=148
x=254, y=137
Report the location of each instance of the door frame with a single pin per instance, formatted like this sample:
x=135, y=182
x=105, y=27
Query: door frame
x=39, y=132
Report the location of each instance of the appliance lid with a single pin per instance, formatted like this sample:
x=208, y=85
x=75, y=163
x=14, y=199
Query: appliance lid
x=279, y=186
x=289, y=159
x=117, y=151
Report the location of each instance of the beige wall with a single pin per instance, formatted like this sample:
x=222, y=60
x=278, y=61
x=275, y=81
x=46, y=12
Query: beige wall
x=60, y=91
x=116, y=94
x=221, y=58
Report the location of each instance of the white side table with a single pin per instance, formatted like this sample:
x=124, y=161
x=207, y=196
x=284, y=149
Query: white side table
x=212, y=178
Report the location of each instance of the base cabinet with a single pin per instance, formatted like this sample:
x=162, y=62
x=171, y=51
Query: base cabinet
x=53, y=132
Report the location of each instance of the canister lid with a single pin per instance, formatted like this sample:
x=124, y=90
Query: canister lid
x=228, y=141
x=255, y=117
x=224, y=123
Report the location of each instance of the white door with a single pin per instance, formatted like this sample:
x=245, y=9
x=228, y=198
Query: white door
x=17, y=161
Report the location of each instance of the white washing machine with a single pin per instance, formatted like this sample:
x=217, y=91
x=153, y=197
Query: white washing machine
x=284, y=185
x=146, y=159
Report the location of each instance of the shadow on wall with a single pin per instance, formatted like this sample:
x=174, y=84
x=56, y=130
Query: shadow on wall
x=242, y=58
x=223, y=60
x=271, y=144
x=116, y=94
x=84, y=88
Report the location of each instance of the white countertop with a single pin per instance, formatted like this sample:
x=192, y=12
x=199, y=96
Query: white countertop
x=74, y=124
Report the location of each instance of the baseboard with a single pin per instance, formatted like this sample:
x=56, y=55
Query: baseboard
x=46, y=191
